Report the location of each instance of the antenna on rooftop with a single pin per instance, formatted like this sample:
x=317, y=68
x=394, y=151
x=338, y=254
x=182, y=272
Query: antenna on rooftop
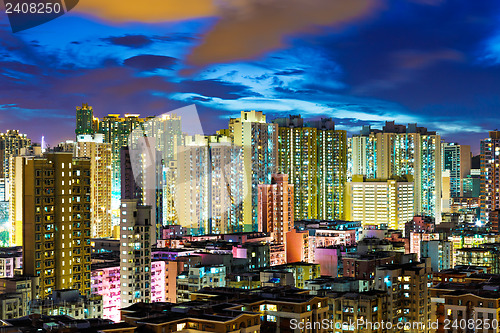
x=43, y=144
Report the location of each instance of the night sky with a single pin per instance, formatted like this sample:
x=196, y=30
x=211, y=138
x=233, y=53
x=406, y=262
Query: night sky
x=434, y=62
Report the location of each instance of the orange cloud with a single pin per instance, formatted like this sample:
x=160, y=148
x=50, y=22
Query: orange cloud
x=150, y=11
x=249, y=28
x=245, y=29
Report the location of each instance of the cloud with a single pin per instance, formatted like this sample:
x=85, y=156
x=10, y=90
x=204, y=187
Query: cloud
x=418, y=59
x=148, y=62
x=490, y=55
x=429, y=2
x=406, y=64
x=133, y=41
x=244, y=28
x=151, y=11
x=249, y=28
x=290, y=72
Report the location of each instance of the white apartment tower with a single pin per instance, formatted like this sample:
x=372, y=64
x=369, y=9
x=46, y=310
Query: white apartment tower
x=259, y=141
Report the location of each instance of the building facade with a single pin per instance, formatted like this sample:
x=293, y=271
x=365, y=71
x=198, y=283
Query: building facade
x=399, y=150
x=314, y=155
x=210, y=186
x=11, y=143
x=135, y=252
x=259, y=143
x=56, y=222
x=99, y=153
x=490, y=180
x=380, y=203
x=456, y=159
x=276, y=207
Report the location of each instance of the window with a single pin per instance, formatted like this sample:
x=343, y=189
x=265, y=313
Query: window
x=271, y=318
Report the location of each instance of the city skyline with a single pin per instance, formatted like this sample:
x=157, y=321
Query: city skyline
x=247, y=166
x=430, y=62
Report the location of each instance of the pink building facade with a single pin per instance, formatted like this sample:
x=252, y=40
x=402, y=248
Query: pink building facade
x=106, y=282
x=158, y=281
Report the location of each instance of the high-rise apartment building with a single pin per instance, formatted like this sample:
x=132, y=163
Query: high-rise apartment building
x=400, y=150
x=56, y=221
x=11, y=143
x=99, y=153
x=129, y=187
x=142, y=178
x=362, y=155
x=490, y=179
x=382, y=203
x=85, y=121
x=259, y=142
x=456, y=159
x=314, y=155
x=15, y=197
x=116, y=131
x=210, y=186
x=297, y=158
x=163, y=132
x=164, y=136
x=332, y=169
x=276, y=213
x=471, y=186
x=169, y=176
x=135, y=252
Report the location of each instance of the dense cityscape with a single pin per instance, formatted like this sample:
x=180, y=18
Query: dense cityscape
x=249, y=166
x=267, y=225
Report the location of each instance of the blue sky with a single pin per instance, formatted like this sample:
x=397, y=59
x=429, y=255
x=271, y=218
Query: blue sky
x=435, y=62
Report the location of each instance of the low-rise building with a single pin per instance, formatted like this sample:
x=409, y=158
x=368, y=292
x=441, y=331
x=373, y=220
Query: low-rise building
x=440, y=252
x=297, y=246
x=277, y=254
x=199, y=277
x=328, y=260
x=69, y=302
x=408, y=288
x=487, y=254
x=459, y=274
x=234, y=310
x=12, y=306
x=357, y=312
x=302, y=271
x=63, y=323
x=105, y=281
x=10, y=260
x=363, y=266
x=456, y=305
x=250, y=280
x=277, y=278
x=325, y=284
x=173, y=269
